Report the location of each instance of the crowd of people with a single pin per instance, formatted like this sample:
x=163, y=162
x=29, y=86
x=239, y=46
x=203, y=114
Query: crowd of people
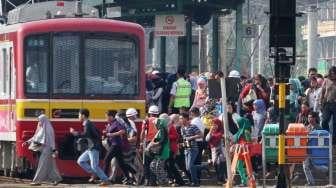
x=182, y=135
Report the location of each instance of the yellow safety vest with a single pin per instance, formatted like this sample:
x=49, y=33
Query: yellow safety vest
x=183, y=92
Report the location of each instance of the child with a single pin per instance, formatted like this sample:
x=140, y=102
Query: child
x=259, y=116
x=214, y=138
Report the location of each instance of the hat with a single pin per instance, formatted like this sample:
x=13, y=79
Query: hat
x=234, y=74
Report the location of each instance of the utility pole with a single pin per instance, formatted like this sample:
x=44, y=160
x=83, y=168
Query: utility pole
x=282, y=50
x=260, y=48
x=312, y=38
x=223, y=25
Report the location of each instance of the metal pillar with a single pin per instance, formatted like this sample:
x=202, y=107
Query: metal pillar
x=239, y=39
x=282, y=180
x=334, y=7
x=214, y=43
x=312, y=38
x=252, y=45
x=188, y=45
x=154, y=56
x=104, y=9
x=223, y=59
x=1, y=8
x=260, y=49
x=202, y=50
x=163, y=54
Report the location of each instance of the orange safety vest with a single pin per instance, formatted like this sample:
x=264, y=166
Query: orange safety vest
x=149, y=125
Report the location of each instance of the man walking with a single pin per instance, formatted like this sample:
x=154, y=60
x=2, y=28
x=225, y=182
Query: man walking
x=89, y=159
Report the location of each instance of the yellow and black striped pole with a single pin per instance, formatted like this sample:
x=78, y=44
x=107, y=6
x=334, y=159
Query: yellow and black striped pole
x=281, y=152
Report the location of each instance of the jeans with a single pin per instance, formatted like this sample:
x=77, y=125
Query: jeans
x=190, y=159
x=308, y=167
x=329, y=111
x=91, y=156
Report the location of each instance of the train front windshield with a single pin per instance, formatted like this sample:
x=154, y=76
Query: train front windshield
x=83, y=64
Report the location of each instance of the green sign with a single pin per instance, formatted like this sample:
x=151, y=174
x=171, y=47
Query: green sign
x=322, y=67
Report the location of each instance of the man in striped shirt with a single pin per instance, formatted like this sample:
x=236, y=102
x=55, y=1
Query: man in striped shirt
x=190, y=133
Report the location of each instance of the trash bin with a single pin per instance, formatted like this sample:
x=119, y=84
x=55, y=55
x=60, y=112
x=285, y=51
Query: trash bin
x=319, y=156
x=294, y=153
x=271, y=154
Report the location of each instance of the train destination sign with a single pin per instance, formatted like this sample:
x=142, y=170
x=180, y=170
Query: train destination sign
x=170, y=25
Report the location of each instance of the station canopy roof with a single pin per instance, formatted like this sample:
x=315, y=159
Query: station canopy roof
x=10, y=4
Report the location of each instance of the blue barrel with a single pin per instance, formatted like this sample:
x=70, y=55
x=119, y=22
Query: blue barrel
x=319, y=156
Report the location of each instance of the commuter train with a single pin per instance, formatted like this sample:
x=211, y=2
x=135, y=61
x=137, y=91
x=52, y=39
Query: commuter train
x=57, y=66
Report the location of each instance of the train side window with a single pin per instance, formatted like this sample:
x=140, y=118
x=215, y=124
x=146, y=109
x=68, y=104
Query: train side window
x=66, y=55
x=37, y=64
x=111, y=66
x=13, y=72
x=3, y=73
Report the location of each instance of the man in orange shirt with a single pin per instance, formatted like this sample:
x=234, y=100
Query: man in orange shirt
x=148, y=133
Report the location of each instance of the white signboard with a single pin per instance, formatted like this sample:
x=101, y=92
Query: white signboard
x=170, y=25
x=113, y=12
x=250, y=31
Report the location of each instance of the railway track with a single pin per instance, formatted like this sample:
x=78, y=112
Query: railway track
x=9, y=182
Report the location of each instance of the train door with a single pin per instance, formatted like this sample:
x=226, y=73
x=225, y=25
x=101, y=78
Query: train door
x=7, y=124
x=12, y=89
x=7, y=86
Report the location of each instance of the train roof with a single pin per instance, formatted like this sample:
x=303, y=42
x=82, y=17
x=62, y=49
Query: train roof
x=50, y=9
x=76, y=24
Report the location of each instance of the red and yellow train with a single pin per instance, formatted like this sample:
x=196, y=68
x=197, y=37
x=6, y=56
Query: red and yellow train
x=58, y=66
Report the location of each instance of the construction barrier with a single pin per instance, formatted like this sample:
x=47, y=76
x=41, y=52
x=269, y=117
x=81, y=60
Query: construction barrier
x=317, y=145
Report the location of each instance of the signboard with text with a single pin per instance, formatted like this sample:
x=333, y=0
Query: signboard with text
x=250, y=31
x=170, y=25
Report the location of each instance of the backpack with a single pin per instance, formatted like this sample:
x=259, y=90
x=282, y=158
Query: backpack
x=250, y=97
x=159, y=171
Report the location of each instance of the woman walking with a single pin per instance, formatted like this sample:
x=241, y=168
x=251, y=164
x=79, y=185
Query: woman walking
x=44, y=142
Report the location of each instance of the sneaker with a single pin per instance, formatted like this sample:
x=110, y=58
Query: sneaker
x=104, y=183
x=194, y=185
x=92, y=179
x=35, y=184
x=146, y=182
x=128, y=182
x=55, y=183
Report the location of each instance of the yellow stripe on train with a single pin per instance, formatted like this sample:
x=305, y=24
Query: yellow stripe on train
x=97, y=108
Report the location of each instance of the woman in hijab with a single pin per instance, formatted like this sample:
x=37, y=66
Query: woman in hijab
x=162, y=151
x=294, y=96
x=201, y=94
x=44, y=137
